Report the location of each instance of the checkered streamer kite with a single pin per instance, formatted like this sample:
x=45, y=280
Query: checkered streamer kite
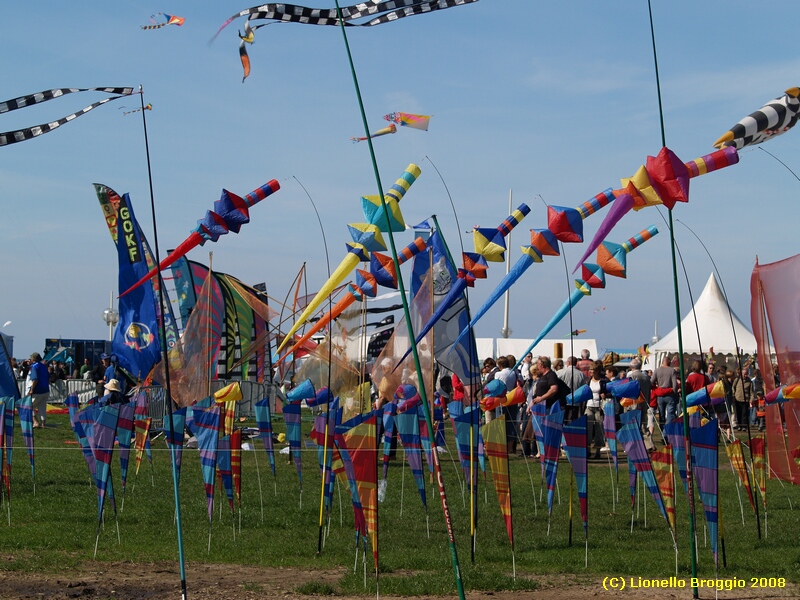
x=771, y=120
x=27, y=133
x=377, y=12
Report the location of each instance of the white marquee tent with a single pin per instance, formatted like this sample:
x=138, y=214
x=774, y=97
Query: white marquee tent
x=714, y=323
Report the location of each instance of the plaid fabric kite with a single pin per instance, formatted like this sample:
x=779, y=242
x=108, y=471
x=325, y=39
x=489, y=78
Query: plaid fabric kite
x=610, y=430
x=735, y=455
x=358, y=439
x=124, y=435
x=236, y=464
x=494, y=439
x=631, y=416
x=206, y=431
x=71, y=402
x=705, y=458
x=408, y=429
x=8, y=427
x=25, y=410
x=466, y=427
x=264, y=422
x=105, y=429
x=758, y=452
x=224, y=471
x=83, y=426
x=552, y=426
x=630, y=436
x=324, y=455
x=575, y=445
x=674, y=433
x=174, y=436
x=291, y=417
x=389, y=413
x=661, y=461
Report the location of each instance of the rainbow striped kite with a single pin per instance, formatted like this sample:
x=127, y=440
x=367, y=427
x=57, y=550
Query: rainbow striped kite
x=705, y=458
x=496, y=447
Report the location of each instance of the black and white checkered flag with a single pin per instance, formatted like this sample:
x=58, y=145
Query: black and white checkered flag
x=27, y=133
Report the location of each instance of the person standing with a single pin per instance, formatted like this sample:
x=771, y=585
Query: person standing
x=86, y=367
x=546, y=388
x=38, y=388
x=99, y=374
x=594, y=412
x=573, y=377
x=665, y=384
x=742, y=394
x=586, y=364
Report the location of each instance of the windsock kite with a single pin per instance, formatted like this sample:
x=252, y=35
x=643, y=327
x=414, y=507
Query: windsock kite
x=385, y=131
x=229, y=214
x=663, y=180
x=771, y=120
x=409, y=120
x=373, y=214
x=169, y=20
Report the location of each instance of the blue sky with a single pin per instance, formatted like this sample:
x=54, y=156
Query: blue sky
x=550, y=100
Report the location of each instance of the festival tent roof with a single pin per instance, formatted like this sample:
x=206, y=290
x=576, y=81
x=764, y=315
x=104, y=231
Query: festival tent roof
x=714, y=323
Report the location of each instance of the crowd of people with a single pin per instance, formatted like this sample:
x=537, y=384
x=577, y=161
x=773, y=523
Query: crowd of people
x=546, y=381
x=110, y=381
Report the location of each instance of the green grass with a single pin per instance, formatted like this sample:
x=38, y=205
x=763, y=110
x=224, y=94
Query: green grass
x=55, y=529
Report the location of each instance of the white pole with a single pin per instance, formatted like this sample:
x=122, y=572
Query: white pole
x=505, y=331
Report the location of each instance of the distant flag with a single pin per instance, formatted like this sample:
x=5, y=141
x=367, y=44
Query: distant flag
x=105, y=428
x=142, y=427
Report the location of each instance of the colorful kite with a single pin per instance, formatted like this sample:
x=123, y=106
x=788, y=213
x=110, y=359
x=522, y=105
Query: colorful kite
x=664, y=180
x=291, y=417
x=102, y=443
x=575, y=444
x=661, y=461
x=407, y=423
x=735, y=455
x=771, y=120
x=705, y=458
x=409, y=120
x=264, y=423
x=758, y=453
x=610, y=430
x=630, y=436
x=142, y=440
x=382, y=267
x=206, y=431
x=125, y=429
x=490, y=243
x=174, y=436
x=373, y=214
x=612, y=257
x=25, y=411
x=384, y=131
x=566, y=224
x=20, y=135
x=229, y=214
x=552, y=426
x=169, y=20
x=496, y=447
x=135, y=110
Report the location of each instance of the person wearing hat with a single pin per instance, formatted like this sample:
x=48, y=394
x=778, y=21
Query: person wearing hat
x=38, y=387
x=113, y=394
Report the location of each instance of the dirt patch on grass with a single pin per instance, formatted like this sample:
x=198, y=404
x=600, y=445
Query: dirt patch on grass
x=135, y=581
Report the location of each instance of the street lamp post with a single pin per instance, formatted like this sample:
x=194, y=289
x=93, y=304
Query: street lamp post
x=111, y=317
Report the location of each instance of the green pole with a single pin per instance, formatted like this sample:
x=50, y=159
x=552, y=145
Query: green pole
x=422, y=392
x=686, y=436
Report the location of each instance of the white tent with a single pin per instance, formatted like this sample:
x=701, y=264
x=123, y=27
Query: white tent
x=714, y=323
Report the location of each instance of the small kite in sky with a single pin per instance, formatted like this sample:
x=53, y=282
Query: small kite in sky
x=170, y=20
x=127, y=112
x=409, y=120
x=597, y=310
x=385, y=131
x=774, y=118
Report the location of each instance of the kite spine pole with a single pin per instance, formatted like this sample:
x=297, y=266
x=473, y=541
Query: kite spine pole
x=738, y=357
x=406, y=313
x=163, y=332
x=687, y=439
x=330, y=351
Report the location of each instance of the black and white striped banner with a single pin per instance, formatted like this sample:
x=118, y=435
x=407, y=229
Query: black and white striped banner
x=386, y=11
x=20, y=135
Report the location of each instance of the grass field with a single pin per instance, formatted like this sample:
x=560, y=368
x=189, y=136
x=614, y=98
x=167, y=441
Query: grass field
x=55, y=528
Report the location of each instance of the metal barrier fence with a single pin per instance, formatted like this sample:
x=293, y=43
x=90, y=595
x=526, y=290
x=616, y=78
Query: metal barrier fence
x=61, y=388
x=252, y=392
